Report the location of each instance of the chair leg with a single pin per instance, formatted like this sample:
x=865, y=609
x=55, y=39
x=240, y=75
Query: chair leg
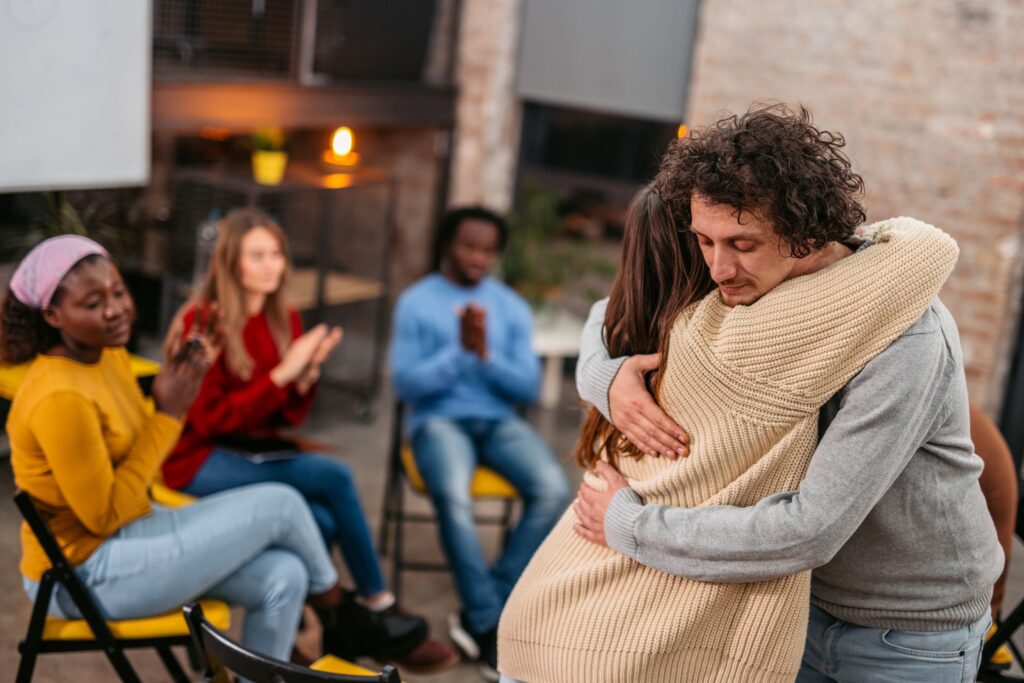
x=121, y=665
x=26, y=666
x=1004, y=632
x=396, y=551
x=193, y=659
x=387, y=514
x=172, y=664
x=506, y=522
x=29, y=648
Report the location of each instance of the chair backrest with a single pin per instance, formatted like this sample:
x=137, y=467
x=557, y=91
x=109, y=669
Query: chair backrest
x=62, y=570
x=31, y=515
x=215, y=648
x=397, y=424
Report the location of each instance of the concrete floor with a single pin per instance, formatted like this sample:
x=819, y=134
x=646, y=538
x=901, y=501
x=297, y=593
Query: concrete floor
x=364, y=447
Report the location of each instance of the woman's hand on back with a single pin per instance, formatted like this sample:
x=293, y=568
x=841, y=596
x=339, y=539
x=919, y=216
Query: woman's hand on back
x=635, y=413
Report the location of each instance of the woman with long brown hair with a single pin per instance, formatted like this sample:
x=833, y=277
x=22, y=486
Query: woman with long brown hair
x=661, y=273
x=265, y=378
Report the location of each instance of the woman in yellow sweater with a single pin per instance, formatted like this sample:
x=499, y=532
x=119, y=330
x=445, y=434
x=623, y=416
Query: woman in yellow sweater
x=86, y=445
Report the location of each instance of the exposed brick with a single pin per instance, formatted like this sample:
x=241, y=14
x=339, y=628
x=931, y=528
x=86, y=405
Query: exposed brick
x=929, y=97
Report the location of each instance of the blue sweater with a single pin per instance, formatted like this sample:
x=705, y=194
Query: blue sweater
x=437, y=377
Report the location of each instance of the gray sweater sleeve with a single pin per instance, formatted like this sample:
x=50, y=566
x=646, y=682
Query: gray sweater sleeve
x=886, y=412
x=596, y=369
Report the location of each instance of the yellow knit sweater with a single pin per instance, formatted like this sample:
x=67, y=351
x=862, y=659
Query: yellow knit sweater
x=747, y=383
x=86, y=445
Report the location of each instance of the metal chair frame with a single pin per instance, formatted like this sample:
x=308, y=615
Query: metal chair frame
x=104, y=640
x=218, y=650
x=395, y=515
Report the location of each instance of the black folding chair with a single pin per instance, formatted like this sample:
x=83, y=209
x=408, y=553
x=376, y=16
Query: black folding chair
x=93, y=632
x=218, y=652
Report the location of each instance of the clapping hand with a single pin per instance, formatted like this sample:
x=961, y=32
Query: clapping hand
x=177, y=384
x=311, y=375
x=473, y=329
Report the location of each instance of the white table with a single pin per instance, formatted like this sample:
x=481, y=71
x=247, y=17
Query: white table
x=556, y=336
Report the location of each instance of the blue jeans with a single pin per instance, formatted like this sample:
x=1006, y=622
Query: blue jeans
x=329, y=489
x=257, y=547
x=447, y=454
x=840, y=652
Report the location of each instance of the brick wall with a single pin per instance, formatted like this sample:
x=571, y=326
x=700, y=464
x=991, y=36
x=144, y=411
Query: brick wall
x=930, y=96
x=488, y=110
x=412, y=155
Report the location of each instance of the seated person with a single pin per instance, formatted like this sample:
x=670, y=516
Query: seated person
x=999, y=485
x=265, y=378
x=462, y=357
x=86, y=445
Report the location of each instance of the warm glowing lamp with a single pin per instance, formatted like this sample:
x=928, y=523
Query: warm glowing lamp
x=342, y=153
x=682, y=130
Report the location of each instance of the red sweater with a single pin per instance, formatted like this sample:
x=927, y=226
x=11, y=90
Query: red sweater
x=227, y=404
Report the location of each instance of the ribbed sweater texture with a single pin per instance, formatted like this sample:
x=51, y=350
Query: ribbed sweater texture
x=747, y=382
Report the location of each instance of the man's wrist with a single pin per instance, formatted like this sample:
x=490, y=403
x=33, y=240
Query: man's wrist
x=603, y=375
x=620, y=521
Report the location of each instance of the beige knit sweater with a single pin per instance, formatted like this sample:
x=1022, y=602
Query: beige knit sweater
x=747, y=383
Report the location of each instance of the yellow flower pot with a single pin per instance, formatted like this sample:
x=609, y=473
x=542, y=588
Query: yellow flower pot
x=268, y=167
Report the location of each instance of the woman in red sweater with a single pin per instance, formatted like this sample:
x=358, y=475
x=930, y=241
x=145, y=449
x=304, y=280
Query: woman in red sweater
x=265, y=378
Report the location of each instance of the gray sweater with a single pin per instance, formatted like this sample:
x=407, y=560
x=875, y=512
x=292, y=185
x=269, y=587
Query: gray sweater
x=889, y=515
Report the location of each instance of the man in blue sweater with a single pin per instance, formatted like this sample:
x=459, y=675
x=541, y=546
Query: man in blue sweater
x=461, y=356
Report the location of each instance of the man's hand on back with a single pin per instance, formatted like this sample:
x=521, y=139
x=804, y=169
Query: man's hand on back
x=635, y=413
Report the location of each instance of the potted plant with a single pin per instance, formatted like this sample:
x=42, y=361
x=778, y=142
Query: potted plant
x=545, y=263
x=268, y=156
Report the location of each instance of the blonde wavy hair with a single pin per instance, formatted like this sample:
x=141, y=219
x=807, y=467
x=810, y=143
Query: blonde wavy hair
x=223, y=286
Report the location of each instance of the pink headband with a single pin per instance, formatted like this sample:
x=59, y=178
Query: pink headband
x=40, y=273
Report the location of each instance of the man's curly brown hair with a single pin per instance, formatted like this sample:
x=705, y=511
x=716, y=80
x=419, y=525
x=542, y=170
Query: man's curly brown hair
x=773, y=163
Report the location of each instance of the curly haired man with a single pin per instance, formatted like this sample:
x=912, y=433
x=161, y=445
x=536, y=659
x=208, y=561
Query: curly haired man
x=889, y=516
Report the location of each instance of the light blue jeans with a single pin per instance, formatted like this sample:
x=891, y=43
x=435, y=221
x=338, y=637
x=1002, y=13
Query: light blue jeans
x=447, y=453
x=840, y=652
x=256, y=547
x=329, y=489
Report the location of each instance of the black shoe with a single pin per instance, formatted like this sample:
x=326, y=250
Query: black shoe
x=479, y=647
x=352, y=630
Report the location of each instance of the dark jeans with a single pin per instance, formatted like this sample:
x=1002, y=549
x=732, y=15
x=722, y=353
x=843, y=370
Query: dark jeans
x=447, y=453
x=328, y=488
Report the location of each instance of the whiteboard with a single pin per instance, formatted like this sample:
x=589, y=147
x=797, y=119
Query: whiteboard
x=74, y=94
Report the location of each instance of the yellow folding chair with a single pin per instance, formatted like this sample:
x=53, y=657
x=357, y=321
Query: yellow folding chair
x=92, y=632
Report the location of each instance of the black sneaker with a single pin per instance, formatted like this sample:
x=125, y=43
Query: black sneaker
x=352, y=630
x=479, y=647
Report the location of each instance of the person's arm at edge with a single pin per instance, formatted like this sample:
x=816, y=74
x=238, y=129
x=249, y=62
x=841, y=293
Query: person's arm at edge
x=596, y=369
x=880, y=424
